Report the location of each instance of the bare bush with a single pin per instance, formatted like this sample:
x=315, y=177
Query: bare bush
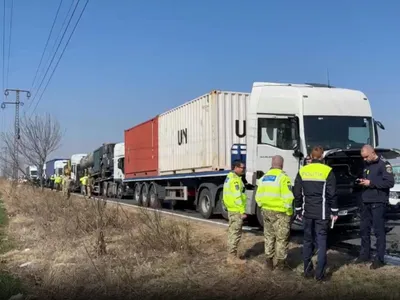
x=39, y=137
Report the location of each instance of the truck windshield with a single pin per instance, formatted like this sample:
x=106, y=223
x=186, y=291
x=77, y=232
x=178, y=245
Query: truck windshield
x=396, y=173
x=34, y=173
x=337, y=131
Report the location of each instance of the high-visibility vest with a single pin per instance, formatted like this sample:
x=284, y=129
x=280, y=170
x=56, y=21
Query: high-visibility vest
x=52, y=177
x=233, y=194
x=58, y=179
x=84, y=180
x=274, y=192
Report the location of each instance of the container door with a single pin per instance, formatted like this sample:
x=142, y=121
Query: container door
x=275, y=138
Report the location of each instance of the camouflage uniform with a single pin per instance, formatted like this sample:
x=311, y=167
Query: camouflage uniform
x=276, y=234
x=234, y=232
x=66, y=186
x=235, y=202
x=274, y=196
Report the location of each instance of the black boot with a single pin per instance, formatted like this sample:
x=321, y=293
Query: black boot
x=281, y=265
x=376, y=264
x=269, y=264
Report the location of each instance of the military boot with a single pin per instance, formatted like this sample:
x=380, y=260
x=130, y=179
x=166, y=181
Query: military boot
x=269, y=263
x=232, y=259
x=281, y=265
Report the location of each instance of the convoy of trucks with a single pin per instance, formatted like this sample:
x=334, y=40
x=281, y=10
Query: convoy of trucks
x=184, y=154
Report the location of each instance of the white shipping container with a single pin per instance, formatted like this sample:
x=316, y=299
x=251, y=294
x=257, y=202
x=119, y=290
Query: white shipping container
x=198, y=135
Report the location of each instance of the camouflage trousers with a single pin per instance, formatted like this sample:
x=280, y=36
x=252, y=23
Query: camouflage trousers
x=234, y=231
x=276, y=234
x=66, y=188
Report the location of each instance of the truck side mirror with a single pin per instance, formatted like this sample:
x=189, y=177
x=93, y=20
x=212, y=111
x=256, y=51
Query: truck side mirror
x=119, y=163
x=376, y=125
x=294, y=126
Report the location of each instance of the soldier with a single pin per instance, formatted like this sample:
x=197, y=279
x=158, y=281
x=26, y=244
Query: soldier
x=66, y=185
x=235, y=202
x=89, y=185
x=84, y=182
x=274, y=196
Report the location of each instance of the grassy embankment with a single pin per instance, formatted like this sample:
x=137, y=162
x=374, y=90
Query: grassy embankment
x=90, y=250
x=9, y=285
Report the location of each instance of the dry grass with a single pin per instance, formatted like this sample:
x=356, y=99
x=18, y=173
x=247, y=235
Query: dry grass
x=86, y=249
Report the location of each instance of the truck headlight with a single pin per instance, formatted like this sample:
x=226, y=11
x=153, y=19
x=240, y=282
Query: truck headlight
x=393, y=195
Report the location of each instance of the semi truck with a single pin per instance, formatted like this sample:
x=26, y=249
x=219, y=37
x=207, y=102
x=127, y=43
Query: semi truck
x=184, y=154
x=49, y=170
x=31, y=173
x=106, y=167
x=76, y=171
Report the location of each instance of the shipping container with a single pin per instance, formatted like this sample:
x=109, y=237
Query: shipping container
x=141, y=150
x=198, y=136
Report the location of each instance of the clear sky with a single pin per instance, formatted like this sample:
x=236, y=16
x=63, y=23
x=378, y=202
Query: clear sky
x=132, y=59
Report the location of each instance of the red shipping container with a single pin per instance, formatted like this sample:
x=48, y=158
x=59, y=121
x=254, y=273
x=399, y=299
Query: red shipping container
x=141, y=150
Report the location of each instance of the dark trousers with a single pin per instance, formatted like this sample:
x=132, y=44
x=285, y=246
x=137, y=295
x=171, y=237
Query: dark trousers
x=373, y=214
x=315, y=234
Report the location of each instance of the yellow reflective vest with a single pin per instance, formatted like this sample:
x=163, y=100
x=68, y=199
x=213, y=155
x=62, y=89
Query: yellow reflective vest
x=233, y=194
x=58, y=179
x=84, y=180
x=274, y=192
x=52, y=177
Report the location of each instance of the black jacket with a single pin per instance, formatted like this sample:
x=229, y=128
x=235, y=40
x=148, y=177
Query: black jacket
x=315, y=191
x=380, y=175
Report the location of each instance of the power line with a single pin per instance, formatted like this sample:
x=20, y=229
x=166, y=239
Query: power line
x=59, y=44
x=9, y=41
x=47, y=42
x=59, y=59
x=4, y=44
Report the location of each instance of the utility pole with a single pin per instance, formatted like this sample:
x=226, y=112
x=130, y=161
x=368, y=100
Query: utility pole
x=17, y=103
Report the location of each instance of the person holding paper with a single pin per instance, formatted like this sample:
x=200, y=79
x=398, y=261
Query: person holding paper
x=316, y=205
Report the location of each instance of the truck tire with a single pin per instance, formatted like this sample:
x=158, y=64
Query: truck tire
x=145, y=195
x=119, y=191
x=222, y=208
x=205, y=204
x=153, y=197
x=137, y=197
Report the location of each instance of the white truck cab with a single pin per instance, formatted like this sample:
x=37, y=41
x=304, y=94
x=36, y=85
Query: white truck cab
x=290, y=119
x=75, y=160
x=59, y=167
x=119, y=157
x=32, y=173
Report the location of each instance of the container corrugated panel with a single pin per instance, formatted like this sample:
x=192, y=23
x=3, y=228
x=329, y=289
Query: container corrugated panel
x=198, y=135
x=141, y=150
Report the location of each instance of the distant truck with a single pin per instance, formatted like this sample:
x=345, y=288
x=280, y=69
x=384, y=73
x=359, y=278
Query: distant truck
x=76, y=171
x=49, y=170
x=106, y=167
x=31, y=173
x=184, y=154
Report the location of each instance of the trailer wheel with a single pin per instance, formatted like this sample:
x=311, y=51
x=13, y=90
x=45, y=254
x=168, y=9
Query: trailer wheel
x=153, y=197
x=205, y=204
x=145, y=195
x=110, y=193
x=104, y=189
x=222, y=208
x=137, y=197
x=119, y=191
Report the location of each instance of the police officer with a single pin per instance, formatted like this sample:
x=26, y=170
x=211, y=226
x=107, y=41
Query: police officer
x=235, y=202
x=274, y=196
x=317, y=183
x=377, y=181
